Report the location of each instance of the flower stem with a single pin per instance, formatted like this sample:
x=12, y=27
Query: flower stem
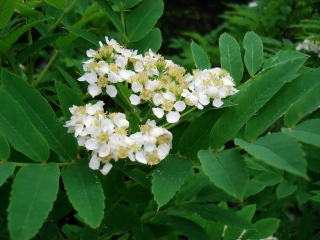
x=145, y=118
x=47, y=67
x=20, y=164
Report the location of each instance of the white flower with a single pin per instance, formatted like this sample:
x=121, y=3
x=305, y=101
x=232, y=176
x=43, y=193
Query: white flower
x=90, y=77
x=106, y=168
x=134, y=99
x=159, y=112
x=94, y=163
x=92, y=144
x=172, y=117
x=94, y=90
x=111, y=90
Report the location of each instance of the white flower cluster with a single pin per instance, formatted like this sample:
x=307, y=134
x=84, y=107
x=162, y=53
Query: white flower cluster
x=106, y=136
x=165, y=85
x=309, y=46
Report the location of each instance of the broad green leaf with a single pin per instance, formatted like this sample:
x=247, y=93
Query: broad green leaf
x=285, y=189
x=263, y=229
x=214, y=213
x=253, y=188
x=67, y=98
x=114, y=18
x=41, y=114
x=6, y=10
x=122, y=218
x=253, y=56
x=34, y=190
x=130, y=3
x=6, y=170
x=187, y=227
x=9, y=40
x=28, y=11
x=57, y=3
x=19, y=131
x=291, y=93
x=230, y=56
x=277, y=150
x=70, y=80
x=36, y=46
x=166, y=176
x=85, y=35
x=283, y=57
x=152, y=40
x=200, y=57
x=303, y=107
x=196, y=137
x=250, y=99
x=4, y=148
x=226, y=170
x=307, y=132
x=143, y=18
x=85, y=192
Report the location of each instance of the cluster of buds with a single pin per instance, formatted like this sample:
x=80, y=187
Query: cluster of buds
x=309, y=46
x=163, y=84
x=106, y=135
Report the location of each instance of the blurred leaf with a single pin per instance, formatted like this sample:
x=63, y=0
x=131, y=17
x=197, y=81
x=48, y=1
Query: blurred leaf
x=307, y=132
x=4, y=148
x=7, y=8
x=19, y=131
x=9, y=40
x=250, y=99
x=200, y=57
x=283, y=57
x=277, y=150
x=70, y=80
x=57, y=3
x=122, y=218
x=263, y=229
x=226, y=170
x=188, y=228
x=167, y=180
x=230, y=56
x=285, y=189
x=143, y=233
x=49, y=231
x=152, y=40
x=27, y=11
x=85, y=35
x=307, y=103
x=33, y=192
x=291, y=93
x=214, y=213
x=130, y=3
x=113, y=17
x=41, y=114
x=84, y=191
x=6, y=170
x=67, y=98
x=138, y=194
x=253, y=56
x=143, y=18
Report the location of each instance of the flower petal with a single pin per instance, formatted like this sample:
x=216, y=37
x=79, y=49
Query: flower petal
x=106, y=168
x=173, y=117
x=111, y=90
x=92, y=144
x=134, y=99
x=94, y=163
x=217, y=102
x=179, y=106
x=159, y=112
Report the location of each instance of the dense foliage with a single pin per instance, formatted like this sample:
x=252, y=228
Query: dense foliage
x=225, y=146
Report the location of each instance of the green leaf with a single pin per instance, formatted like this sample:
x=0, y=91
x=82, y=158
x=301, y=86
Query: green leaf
x=34, y=190
x=7, y=8
x=167, y=177
x=226, y=170
x=85, y=192
x=143, y=18
x=130, y=3
x=291, y=93
x=60, y=4
x=189, y=228
x=41, y=114
x=18, y=130
x=123, y=218
x=253, y=56
x=283, y=57
x=85, y=35
x=70, y=80
x=304, y=106
x=307, y=132
x=67, y=98
x=9, y=40
x=6, y=170
x=200, y=57
x=230, y=56
x=113, y=17
x=250, y=99
x=285, y=189
x=214, y=213
x=196, y=137
x=277, y=150
x=152, y=40
x=263, y=229
x=4, y=148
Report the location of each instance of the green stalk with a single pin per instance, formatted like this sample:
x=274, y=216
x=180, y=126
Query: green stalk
x=47, y=67
x=145, y=118
x=19, y=164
